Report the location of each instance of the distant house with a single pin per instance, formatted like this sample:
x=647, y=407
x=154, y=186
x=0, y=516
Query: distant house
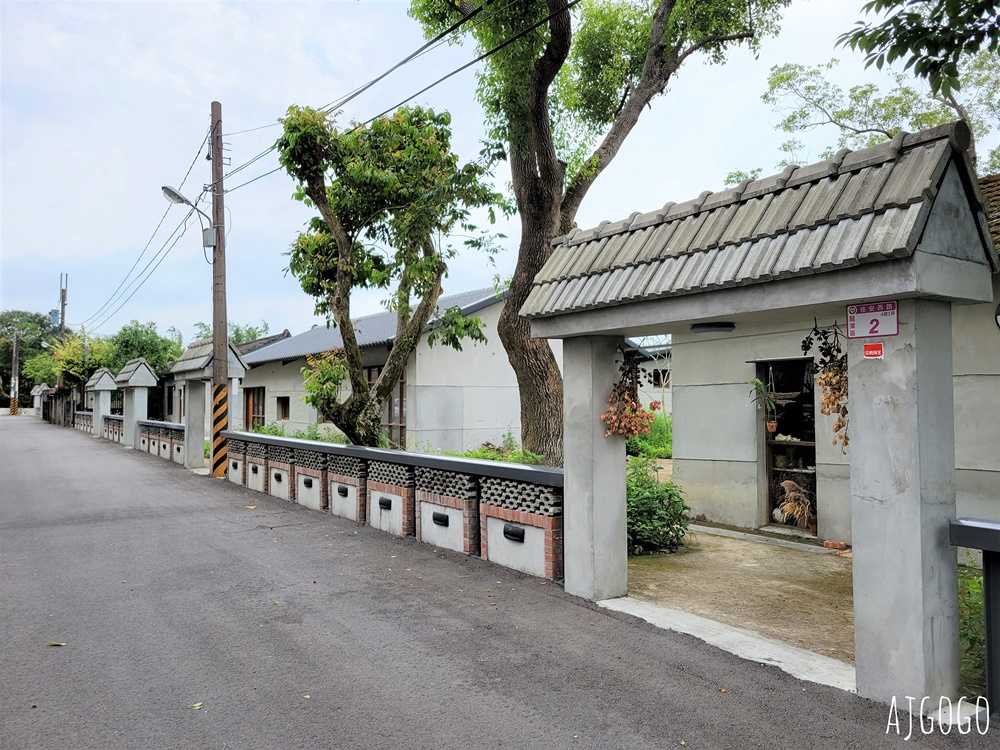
x=446, y=400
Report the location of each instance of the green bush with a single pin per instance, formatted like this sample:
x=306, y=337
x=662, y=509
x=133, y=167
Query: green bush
x=659, y=443
x=508, y=451
x=311, y=432
x=972, y=630
x=657, y=515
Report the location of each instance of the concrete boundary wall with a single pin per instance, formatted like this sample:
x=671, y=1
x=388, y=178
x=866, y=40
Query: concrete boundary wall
x=455, y=503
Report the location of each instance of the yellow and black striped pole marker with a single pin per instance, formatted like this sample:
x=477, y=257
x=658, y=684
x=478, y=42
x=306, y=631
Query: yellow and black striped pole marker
x=220, y=422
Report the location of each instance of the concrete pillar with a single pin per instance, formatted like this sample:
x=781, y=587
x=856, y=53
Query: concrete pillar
x=902, y=449
x=136, y=408
x=194, y=423
x=235, y=405
x=596, y=560
x=102, y=407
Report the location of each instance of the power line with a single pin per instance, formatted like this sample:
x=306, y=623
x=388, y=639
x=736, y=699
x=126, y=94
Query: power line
x=442, y=79
x=162, y=257
x=111, y=300
x=337, y=103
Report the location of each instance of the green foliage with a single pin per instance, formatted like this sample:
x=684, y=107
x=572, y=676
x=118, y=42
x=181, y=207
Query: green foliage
x=737, y=176
x=140, y=340
x=932, y=36
x=33, y=328
x=657, y=514
x=238, y=334
x=396, y=194
x=39, y=369
x=865, y=115
x=509, y=451
x=659, y=443
x=763, y=399
x=76, y=357
x=311, y=432
x=451, y=327
x=610, y=42
x=972, y=629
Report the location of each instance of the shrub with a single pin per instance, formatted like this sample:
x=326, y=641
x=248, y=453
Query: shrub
x=659, y=443
x=657, y=515
x=311, y=432
x=508, y=451
x=972, y=629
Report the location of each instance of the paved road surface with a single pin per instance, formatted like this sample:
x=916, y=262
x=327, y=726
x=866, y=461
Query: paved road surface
x=294, y=629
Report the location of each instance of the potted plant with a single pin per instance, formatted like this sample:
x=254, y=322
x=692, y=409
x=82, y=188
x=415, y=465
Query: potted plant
x=765, y=402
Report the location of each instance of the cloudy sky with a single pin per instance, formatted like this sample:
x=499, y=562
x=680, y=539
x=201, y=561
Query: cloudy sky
x=104, y=102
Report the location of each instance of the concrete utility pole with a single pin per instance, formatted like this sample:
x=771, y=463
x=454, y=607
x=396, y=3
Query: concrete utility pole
x=220, y=327
x=14, y=375
x=63, y=288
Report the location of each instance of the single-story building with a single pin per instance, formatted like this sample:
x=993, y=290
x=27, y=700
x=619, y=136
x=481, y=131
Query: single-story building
x=447, y=400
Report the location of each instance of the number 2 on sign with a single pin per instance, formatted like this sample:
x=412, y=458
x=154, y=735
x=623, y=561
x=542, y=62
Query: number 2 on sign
x=873, y=331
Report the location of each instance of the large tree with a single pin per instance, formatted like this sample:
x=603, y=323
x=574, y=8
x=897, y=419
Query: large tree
x=559, y=104
x=141, y=340
x=932, y=36
x=33, y=329
x=388, y=195
x=864, y=114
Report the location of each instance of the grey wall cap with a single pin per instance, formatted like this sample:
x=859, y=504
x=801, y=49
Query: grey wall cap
x=975, y=533
x=518, y=472
x=116, y=417
x=102, y=380
x=154, y=423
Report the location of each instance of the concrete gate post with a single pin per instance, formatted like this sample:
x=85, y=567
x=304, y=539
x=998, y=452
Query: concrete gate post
x=596, y=561
x=102, y=408
x=136, y=408
x=194, y=424
x=902, y=428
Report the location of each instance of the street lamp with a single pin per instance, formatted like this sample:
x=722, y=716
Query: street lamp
x=207, y=233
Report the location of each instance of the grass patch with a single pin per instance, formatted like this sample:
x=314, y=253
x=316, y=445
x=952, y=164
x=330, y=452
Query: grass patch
x=659, y=443
x=508, y=451
x=972, y=629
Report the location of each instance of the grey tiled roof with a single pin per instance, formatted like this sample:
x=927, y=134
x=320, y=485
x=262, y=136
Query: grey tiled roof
x=857, y=207
x=198, y=356
x=371, y=330
x=130, y=368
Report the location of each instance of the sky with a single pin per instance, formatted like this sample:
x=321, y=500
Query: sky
x=102, y=103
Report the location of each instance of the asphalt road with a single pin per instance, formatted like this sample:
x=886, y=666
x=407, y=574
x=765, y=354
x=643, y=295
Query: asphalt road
x=295, y=629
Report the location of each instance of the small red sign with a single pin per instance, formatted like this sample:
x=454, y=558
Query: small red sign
x=873, y=351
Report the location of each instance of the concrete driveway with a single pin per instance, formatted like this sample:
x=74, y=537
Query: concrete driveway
x=294, y=629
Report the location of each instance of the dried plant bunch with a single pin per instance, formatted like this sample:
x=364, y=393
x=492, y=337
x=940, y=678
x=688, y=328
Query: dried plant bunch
x=796, y=503
x=625, y=414
x=831, y=377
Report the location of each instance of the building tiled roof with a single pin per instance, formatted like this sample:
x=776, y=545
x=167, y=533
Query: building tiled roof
x=251, y=346
x=858, y=207
x=990, y=186
x=130, y=368
x=371, y=330
x=198, y=356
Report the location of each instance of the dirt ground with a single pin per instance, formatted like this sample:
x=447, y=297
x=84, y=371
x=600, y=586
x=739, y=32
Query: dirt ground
x=798, y=597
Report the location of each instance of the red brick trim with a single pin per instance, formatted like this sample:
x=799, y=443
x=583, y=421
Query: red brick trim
x=320, y=476
x=408, y=496
x=552, y=527
x=470, y=516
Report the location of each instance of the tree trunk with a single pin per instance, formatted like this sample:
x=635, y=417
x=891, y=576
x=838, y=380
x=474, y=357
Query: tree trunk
x=538, y=378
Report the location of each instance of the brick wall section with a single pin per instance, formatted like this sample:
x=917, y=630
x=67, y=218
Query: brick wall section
x=318, y=475
x=470, y=516
x=237, y=450
x=261, y=464
x=551, y=525
x=285, y=469
x=409, y=499
x=360, y=497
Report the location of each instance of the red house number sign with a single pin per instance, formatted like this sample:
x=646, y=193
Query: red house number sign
x=872, y=319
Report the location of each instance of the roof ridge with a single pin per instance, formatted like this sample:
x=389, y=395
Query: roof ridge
x=793, y=175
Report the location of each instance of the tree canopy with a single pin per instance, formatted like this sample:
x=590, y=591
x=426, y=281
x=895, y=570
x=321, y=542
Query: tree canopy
x=559, y=103
x=864, y=114
x=932, y=36
x=141, y=340
x=388, y=194
x=33, y=329
x=238, y=334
